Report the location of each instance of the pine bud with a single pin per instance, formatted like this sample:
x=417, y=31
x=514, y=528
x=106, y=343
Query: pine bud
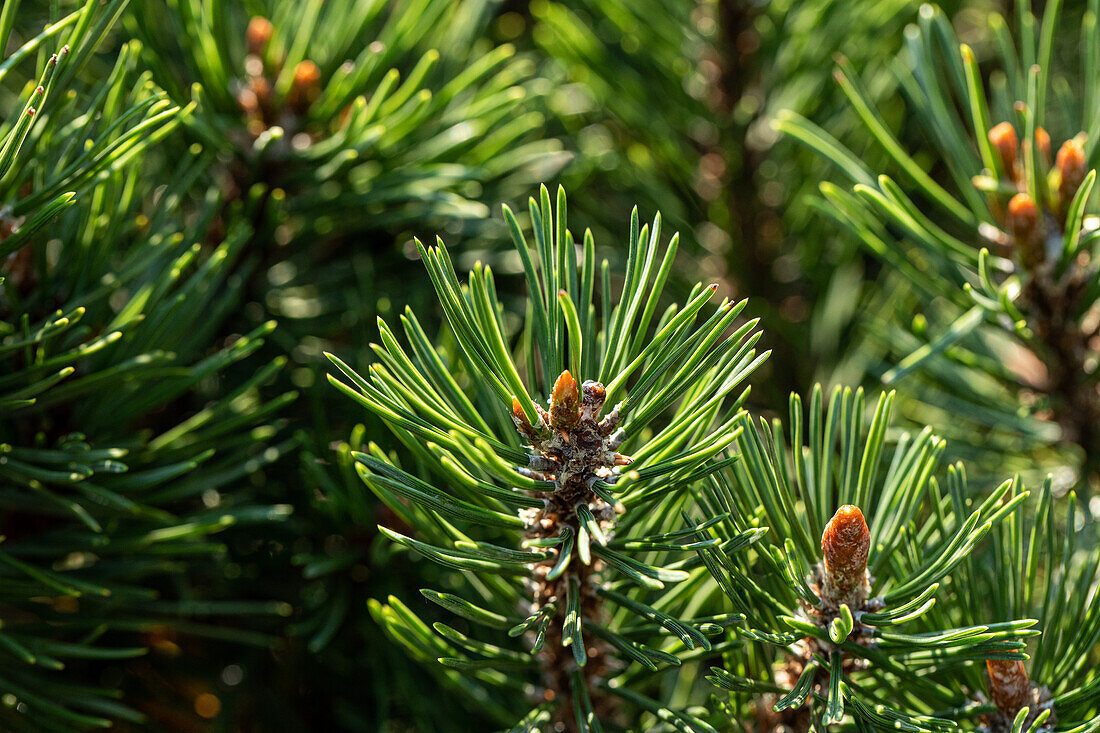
x=523, y=425
x=306, y=86
x=1025, y=225
x=593, y=395
x=845, y=545
x=565, y=402
x=1008, y=685
x=1007, y=145
x=258, y=34
x=1042, y=139
x=1072, y=169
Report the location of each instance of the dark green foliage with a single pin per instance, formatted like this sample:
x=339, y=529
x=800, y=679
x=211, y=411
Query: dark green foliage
x=108, y=315
x=348, y=126
x=368, y=115
x=414, y=119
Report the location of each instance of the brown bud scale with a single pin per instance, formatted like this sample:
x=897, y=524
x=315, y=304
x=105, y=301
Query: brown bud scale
x=1009, y=685
x=1007, y=144
x=258, y=34
x=845, y=546
x=1072, y=168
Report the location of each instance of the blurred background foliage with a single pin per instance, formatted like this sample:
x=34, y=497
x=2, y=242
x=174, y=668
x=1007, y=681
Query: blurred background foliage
x=314, y=140
x=1004, y=393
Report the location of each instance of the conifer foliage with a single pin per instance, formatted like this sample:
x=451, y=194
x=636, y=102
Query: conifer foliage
x=572, y=521
x=336, y=130
x=567, y=512
x=1042, y=564
x=107, y=314
x=999, y=250
x=837, y=603
x=365, y=115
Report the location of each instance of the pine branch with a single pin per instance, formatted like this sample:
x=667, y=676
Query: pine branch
x=832, y=617
x=994, y=242
x=561, y=562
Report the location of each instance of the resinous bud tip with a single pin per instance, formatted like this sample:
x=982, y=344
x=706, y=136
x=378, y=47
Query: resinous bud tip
x=565, y=402
x=258, y=34
x=593, y=395
x=845, y=545
x=1007, y=144
x=1072, y=168
x=1009, y=686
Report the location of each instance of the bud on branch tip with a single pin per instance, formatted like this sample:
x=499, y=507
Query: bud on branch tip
x=1009, y=685
x=845, y=545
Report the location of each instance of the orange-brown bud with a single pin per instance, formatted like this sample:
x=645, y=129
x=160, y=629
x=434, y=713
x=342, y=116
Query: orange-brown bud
x=593, y=396
x=258, y=34
x=1007, y=145
x=1072, y=169
x=307, y=74
x=1042, y=139
x=523, y=425
x=565, y=402
x=306, y=86
x=1008, y=685
x=1023, y=214
x=845, y=545
x=1024, y=223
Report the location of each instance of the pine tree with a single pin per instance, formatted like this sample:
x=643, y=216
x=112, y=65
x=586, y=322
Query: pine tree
x=563, y=509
